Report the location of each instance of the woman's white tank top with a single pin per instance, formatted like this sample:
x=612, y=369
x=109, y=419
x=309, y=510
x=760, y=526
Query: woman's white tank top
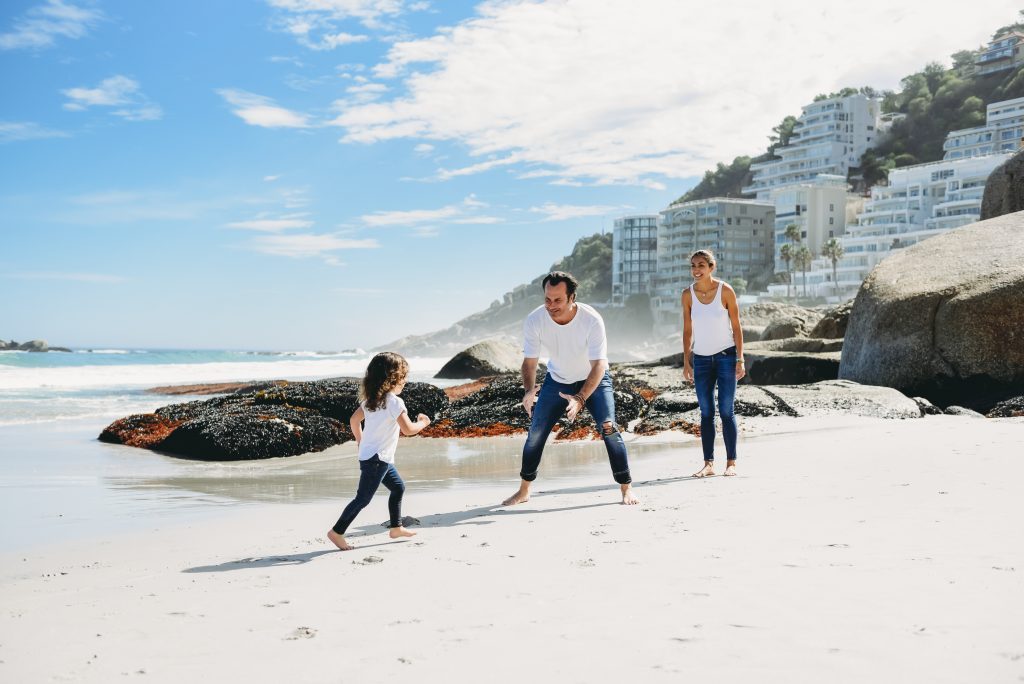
x=712, y=328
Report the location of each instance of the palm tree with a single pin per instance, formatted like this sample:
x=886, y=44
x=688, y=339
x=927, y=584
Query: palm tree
x=786, y=254
x=833, y=251
x=793, y=232
x=802, y=258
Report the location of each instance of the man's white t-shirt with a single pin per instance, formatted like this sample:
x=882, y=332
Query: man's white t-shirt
x=380, y=430
x=571, y=347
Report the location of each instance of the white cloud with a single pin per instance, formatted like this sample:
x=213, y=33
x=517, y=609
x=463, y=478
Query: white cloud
x=271, y=225
x=116, y=91
x=16, y=131
x=563, y=212
x=73, y=277
x=423, y=148
x=641, y=92
x=257, y=110
x=305, y=245
x=424, y=221
x=42, y=25
x=270, y=179
x=315, y=23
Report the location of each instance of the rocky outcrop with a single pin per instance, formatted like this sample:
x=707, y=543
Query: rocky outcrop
x=779, y=321
x=790, y=368
x=944, y=319
x=1009, y=408
x=1004, y=189
x=490, y=357
x=833, y=324
x=30, y=346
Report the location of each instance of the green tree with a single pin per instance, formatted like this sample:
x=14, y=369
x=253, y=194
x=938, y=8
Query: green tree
x=739, y=285
x=786, y=254
x=802, y=258
x=833, y=251
x=793, y=233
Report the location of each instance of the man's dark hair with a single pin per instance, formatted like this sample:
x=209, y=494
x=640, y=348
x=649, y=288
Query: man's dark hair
x=559, y=277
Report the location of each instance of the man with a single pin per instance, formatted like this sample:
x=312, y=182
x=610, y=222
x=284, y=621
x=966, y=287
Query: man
x=574, y=337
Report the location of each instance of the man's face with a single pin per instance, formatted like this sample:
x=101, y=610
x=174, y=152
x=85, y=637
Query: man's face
x=556, y=301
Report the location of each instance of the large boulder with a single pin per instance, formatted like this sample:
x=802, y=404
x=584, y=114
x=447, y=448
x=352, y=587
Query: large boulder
x=34, y=346
x=842, y=397
x=1004, y=189
x=779, y=321
x=791, y=368
x=944, y=319
x=490, y=357
x=833, y=324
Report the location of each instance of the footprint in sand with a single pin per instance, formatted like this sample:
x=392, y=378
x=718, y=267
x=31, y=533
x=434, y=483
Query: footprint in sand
x=369, y=560
x=301, y=633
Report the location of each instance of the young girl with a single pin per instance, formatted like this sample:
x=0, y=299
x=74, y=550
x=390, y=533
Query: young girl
x=385, y=415
x=713, y=338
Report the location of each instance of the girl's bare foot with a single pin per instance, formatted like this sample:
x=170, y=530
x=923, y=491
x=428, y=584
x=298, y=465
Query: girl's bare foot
x=730, y=470
x=706, y=471
x=339, y=541
x=396, y=532
x=627, y=496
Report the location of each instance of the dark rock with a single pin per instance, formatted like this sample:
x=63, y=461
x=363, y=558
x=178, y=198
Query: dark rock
x=1004, y=189
x=490, y=357
x=282, y=419
x=944, y=319
x=807, y=345
x=961, y=411
x=60, y=349
x=677, y=409
x=34, y=346
x=1010, y=408
x=927, y=407
x=833, y=323
x=791, y=368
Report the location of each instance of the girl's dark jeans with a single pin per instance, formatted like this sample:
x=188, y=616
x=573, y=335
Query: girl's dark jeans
x=372, y=472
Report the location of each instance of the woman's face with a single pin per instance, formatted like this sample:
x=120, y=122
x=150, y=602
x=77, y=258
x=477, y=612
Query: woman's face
x=699, y=267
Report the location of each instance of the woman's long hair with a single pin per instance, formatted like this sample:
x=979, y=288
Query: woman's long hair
x=386, y=371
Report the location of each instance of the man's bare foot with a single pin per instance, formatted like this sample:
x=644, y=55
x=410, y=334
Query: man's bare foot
x=519, y=497
x=627, y=496
x=396, y=532
x=339, y=541
x=707, y=471
x=730, y=470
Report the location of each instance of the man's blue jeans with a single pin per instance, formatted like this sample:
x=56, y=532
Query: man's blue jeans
x=708, y=371
x=550, y=407
x=372, y=473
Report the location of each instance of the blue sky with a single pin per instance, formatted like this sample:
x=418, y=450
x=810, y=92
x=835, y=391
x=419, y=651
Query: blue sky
x=322, y=174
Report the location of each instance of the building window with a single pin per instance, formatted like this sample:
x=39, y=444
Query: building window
x=831, y=221
x=831, y=207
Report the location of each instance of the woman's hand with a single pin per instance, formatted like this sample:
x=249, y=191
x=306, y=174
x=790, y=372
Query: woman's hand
x=687, y=373
x=741, y=370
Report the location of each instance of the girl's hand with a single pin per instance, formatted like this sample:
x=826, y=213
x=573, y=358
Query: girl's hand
x=687, y=373
x=423, y=418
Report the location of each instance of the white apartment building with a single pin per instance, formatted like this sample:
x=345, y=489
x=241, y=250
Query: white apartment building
x=1004, y=52
x=817, y=208
x=1002, y=132
x=739, y=232
x=634, y=255
x=829, y=137
x=919, y=202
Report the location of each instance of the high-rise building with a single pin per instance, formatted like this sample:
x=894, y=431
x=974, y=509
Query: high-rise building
x=634, y=255
x=1002, y=53
x=739, y=232
x=1003, y=132
x=816, y=207
x=829, y=137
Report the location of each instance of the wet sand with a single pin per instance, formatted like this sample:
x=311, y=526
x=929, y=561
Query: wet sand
x=882, y=550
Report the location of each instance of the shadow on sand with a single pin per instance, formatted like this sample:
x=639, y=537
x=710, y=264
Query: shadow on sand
x=468, y=517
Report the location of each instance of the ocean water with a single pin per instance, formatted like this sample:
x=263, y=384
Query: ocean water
x=111, y=383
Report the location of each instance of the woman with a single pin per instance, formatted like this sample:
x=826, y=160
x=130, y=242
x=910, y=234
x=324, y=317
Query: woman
x=712, y=355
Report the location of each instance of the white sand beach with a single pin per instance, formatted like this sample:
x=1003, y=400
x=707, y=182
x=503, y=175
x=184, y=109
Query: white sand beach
x=869, y=551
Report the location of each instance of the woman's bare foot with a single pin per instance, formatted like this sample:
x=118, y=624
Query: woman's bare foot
x=707, y=471
x=339, y=541
x=522, y=496
x=627, y=495
x=396, y=532
x=730, y=470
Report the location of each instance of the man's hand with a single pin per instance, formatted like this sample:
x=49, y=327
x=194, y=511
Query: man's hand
x=529, y=399
x=687, y=372
x=575, y=405
x=423, y=418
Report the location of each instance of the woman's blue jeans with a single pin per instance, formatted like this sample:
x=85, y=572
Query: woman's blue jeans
x=373, y=472
x=550, y=407
x=708, y=371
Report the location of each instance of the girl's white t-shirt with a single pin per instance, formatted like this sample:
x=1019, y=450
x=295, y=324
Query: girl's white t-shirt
x=380, y=430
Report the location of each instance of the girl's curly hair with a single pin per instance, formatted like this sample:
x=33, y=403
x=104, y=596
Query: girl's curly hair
x=386, y=371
